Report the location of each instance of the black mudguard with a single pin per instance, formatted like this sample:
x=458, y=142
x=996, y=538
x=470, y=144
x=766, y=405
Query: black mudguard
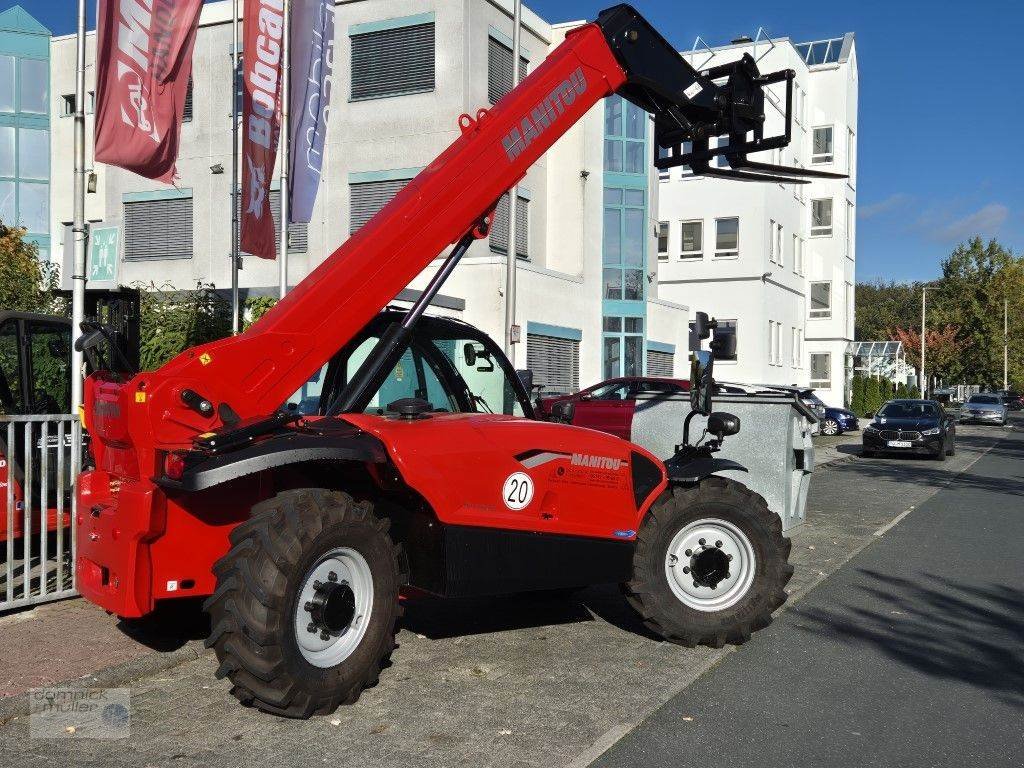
x=697, y=469
x=337, y=442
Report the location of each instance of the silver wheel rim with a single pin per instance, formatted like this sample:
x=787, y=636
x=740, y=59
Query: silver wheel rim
x=685, y=572
x=830, y=428
x=338, y=575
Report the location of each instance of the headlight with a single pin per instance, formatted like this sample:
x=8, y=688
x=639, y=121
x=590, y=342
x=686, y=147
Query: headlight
x=870, y=428
x=932, y=431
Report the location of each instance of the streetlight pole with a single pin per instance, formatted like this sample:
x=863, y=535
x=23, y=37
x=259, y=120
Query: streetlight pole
x=1006, y=345
x=924, y=306
x=78, y=276
x=511, y=256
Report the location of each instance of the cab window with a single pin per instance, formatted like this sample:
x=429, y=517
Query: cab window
x=50, y=354
x=306, y=399
x=10, y=370
x=617, y=391
x=484, y=376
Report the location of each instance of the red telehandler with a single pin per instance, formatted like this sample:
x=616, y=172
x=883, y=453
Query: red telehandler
x=421, y=467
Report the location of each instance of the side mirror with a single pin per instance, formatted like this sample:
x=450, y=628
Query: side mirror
x=722, y=424
x=526, y=378
x=724, y=345
x=869, y=415
x=469, y=353
x=563, y=411
x=701, y=381
x=701, y=325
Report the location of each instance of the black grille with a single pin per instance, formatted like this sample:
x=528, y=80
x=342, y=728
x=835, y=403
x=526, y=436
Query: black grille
x=893, y=434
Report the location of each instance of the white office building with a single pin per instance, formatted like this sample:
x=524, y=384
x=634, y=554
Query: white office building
x=588, y=301
x=776, y=262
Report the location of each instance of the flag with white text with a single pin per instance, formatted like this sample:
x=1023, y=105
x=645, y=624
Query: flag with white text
x=143, y=66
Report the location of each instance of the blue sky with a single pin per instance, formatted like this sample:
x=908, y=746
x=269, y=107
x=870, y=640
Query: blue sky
x=940, y=139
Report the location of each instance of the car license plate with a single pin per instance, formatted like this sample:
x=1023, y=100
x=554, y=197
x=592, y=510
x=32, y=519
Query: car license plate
x=899, y=444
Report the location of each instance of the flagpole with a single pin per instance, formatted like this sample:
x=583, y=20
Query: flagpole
x=78, y=275
x=236, y=325
x=511, y=256
x=285, y=146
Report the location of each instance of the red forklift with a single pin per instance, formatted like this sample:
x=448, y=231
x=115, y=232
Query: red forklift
x=420, y=468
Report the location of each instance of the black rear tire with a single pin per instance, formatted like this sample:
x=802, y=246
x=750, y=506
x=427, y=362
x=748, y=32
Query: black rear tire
x=252, y=612
x=649, y=592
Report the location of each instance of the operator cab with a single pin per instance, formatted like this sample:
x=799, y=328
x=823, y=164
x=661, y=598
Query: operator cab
x=34, y=368
x=449, y=364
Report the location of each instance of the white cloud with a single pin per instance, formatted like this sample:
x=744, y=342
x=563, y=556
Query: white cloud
x=982, y=222
x=886, y=205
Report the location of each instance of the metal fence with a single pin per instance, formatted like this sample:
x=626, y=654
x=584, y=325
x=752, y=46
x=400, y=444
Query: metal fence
x=40, y=457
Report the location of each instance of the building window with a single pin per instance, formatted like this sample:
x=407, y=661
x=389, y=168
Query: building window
x=662, y=241
x=774, y=343
x=6, y=83
x=499, y=69
x=298, y=231
x=7, y=156
x=727, y=238
x=851, y=156
x=660, y=363
x=186, y=115
x=664, y=174
x=780, y=238
x=822, y=151
x=821, y=299
x=7, y=202
x=367, y=198
x=693, y=240
x=794, y=348
x=625, y=132
x=158, y=229
x=821, y=370
x=821, y=217
x=393, y=62
x=67, y=105
x=771, y=241
x=499, y=231
x=34, y=206
x=849, y=229
x=623, y=346
x=625, y=238
x=555, y=363
x=33, y=86
x=34, y=155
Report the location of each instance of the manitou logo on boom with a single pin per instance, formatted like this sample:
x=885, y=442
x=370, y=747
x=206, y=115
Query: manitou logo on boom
x=144, y=32
x=544, y=114
x=597, y=462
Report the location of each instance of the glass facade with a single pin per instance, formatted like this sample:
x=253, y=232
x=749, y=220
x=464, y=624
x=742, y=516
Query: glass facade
x=25, y=126
x=625, y=238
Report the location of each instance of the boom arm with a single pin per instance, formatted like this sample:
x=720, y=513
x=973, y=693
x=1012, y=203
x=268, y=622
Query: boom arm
x=252, y=374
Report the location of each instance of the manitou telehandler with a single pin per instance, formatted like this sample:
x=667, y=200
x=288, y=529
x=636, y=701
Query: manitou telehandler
x=421, y=467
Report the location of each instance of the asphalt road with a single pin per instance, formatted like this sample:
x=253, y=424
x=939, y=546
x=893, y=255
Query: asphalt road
x=911, y=654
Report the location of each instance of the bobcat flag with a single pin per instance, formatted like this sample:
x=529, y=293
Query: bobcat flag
x=143, y=65
x=261, y=121
x=312, y=59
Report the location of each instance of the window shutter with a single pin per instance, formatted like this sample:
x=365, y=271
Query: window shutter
x=660, y=363
x=393, y=61
x=499, y=230
x=555, y=363
x=499, y=69
x=367, y=198
x=158, y=229
x=298, y=232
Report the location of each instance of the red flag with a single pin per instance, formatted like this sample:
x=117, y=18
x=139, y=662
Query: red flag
x=144, y=61
x=261, y=121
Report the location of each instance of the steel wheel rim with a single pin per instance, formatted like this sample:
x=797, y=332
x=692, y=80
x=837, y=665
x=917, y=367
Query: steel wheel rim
x=323, y=603
x=683, y=571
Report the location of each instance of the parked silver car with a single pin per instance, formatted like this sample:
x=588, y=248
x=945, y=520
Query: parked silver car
x=984, y=409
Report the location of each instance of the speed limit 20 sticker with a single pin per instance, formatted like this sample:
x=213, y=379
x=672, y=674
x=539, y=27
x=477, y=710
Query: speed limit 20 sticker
x=517, y=492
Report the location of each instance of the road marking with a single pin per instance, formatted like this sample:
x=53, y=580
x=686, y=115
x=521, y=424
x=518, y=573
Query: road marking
x=881, y=531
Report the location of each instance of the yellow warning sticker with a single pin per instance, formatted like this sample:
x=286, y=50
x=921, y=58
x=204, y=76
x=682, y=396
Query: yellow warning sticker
x=140, y=397
x=205, y=358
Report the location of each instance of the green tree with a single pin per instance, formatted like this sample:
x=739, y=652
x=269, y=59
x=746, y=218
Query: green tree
x=26, y=283
x=881, y=306
x=172, y=321
x=857, y=395
x=872, y=395
x=901, y=391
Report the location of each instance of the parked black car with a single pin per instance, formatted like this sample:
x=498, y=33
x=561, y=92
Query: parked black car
x=911, y=426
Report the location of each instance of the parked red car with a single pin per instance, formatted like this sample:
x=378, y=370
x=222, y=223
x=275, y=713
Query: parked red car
x=608, y=405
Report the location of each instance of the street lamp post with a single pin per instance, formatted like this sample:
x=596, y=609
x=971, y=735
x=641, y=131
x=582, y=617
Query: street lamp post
x=511, y=257
x=1006, y=345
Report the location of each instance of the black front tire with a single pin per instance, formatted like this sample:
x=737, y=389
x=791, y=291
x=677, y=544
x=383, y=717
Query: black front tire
x=252, y=612
x=650, y=594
